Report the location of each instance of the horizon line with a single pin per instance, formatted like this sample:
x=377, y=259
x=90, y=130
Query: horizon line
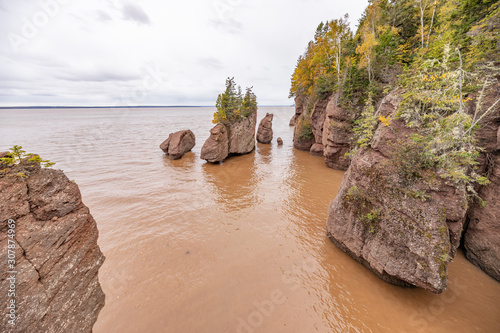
x=122, y=107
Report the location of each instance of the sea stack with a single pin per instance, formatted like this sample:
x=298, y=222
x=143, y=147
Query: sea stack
x=242, y=134
x=236, y=117
x=265, y=131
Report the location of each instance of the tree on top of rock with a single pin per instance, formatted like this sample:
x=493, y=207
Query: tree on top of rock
x=232, y=105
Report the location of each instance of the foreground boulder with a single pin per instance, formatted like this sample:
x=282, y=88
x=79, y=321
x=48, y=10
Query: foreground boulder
x=178, y=144
x=336, y=136
x=403, y=225
x=265, y=131
x=56, y=253
x=216, y=148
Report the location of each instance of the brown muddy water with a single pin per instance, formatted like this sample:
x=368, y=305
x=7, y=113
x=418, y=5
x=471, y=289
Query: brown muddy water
x=235, y=247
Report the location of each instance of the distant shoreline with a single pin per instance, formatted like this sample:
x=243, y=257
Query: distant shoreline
x=119, y=107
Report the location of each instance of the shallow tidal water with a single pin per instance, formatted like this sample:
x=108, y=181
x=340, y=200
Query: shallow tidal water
x=234, y=247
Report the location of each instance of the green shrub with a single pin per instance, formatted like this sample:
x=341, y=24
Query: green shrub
x=304, y=128
x=17, y=154
x=232, y=105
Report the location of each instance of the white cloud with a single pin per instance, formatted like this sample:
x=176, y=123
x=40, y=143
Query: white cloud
x=92, y=52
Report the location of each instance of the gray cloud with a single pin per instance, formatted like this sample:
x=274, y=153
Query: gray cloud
x=135, y=13
x=228, y=25
x=88, y=53
x=103, y=16
x=96, y=76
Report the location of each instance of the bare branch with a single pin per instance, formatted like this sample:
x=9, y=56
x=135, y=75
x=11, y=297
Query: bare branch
x=432, y=22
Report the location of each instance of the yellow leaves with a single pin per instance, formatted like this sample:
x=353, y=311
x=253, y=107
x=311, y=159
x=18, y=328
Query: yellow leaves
x=386, y=121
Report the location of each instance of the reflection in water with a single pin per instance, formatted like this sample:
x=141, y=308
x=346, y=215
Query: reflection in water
x=234, y=182
x=186, y=163
x=197, y=247
x=264, y=152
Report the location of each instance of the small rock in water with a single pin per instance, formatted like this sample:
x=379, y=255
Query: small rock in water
x=280, y=141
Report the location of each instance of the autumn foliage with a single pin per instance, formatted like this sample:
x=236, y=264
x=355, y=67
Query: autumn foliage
x=441, y=54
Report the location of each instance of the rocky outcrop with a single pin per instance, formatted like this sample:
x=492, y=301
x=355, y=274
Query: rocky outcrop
x=303, y=137
x=498, y=139
x=318, y=116
x=336, y=136
x=299, y=109
x=216, y=148
x=265, y=131
x=405, y=227
x=280, y=141
x=316, y=149
x=56, y=253
x=178, y=144
x=237, y=137
x=482, y=239
x=242, y=135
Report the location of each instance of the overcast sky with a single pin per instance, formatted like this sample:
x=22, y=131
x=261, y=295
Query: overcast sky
x=154, y=52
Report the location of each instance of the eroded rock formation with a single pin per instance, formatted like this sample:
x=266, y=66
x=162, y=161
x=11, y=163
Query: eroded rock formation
x=318, y=116
x=303, y=139
x=57, y=257
x=216, y=148
x=265, y=131
x=406, y=229
x=242, y=135
x=482, y=237
x=331, y=131
x=178, y=144
x=317, y=149
x=299, y=109
x=237, y=137
x=336, y=137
